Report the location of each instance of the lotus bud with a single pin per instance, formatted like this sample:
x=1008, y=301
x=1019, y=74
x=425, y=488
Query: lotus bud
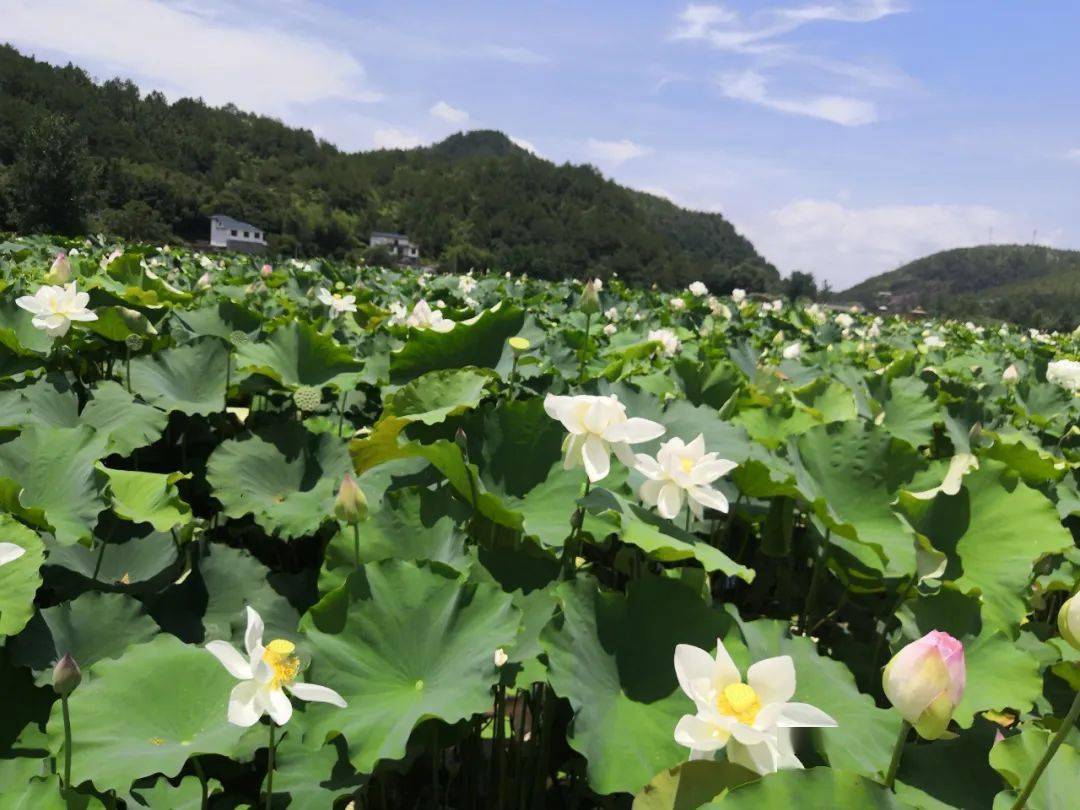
x=501, y=657
x=1010, y=375
x=266, y=270
x=60, y=272
x=590, y=297
x=577, y=519
x=66, y=676
x=461, y=440
x=204, y=282
x=350, y=506
x=925, y=681
x=1069, y=620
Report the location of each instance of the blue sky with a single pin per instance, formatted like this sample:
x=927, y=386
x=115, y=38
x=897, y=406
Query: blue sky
x=842, y=136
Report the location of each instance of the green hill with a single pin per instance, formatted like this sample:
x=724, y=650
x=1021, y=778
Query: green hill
x=1024, y=283
x=147, y=169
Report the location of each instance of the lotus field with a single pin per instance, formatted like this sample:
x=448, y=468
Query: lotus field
x=313, y=535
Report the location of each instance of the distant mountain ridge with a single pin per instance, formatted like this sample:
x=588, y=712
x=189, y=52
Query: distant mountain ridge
x=474, y=199
x=1025, y=283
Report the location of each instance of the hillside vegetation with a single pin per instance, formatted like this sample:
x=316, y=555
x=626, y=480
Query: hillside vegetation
x=78, y=156
x=1025, y=283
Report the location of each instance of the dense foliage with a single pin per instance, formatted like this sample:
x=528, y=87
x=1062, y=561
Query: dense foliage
x=1028, y=284
x=474, y=200
x=176, y=478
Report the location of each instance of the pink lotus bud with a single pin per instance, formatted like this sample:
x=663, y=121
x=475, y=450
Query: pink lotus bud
x=925, y=681
x=350, y=506
x=66, y=675
x=60, y=272
x=1069, y=620
x=266, y=270
x=204, y=282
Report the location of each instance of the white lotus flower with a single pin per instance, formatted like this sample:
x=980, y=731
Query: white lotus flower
x=933, y=342
x=844, y=321
x=669, y=343
x=598, y=426
x=1065, y=373
x=753, y=719
x=55, y=308
x=682, y=470
x=612, y=314
x=466, y=284
x=9, y=552
x=337, y=302
x=268, y=671
x=792, y=351
x=738, y=296
x=698, y=288
x=610, y=329
x=424, y=317
x=677, y=304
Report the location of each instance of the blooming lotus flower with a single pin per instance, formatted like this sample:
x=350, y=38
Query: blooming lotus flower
x=597, y=426
x=610, y=329
x=925, y=681
x=933, y=342
x=738, y=296
x=611, y=314
x=268, y=671
x=60, y=271
x=844, y=321
x=677, y=304
x=1068, y=619
x=9, y=552
x=792, y=351
x=682, y=470
x=669, y=343
x=466, y=284
x=424, y=317
x=753, y=720
x=337, y=302
x=698, y=288
x=1065, y=373
x=55, y=308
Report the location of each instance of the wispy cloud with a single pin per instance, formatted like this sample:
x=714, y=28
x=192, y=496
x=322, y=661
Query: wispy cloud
x=615, y=152
x=452, y=115
x=528, y=146
x=751, y=86
x=393, y=138
x=1073, y=155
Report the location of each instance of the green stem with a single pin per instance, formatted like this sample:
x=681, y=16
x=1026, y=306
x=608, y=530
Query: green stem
x=356, y=544
x=67, y=743
x=100, y=558
x=584, y=350
x=127, y=367
x=228, y=377
x=898, y=751
x=815, y=582
x=1055, y=743
x=270, y=767
x=202, y=782
x=341, y=414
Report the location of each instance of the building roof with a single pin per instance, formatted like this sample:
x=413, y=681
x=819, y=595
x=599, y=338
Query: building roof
x=388, y=235
x=229, y=222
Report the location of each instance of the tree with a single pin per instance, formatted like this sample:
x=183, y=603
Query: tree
x=800, y=285
x=52, y=177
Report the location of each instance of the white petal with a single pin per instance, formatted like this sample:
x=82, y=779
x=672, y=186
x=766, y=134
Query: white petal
x=803, y=715
x=669, y=501
x=594, y=454
x=29, y=303
x=773, y=679
x=624, y=453
x=699, y=735
x=313, y=693
x=572, y=451
x=254, y=633
x=280, y=708
x=9, y=552
x=761, y=758
x=635, y=430
x=708, y=471
x=693, y=664
x=650, y=492
x=233, y=661
x=647, y=466
x=725, y=671
x=696, y=448
x=707, y=496
x=243, y=704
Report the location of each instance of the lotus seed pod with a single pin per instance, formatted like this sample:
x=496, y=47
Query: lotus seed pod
x=519, y=344
x=307, y=399
x=238, y=338
x=1069, y=620
x=66, y=676
x=134, y=342
x=350, y=506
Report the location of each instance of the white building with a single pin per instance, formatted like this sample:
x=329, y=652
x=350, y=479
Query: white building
x=398, y=244
x=232, y=234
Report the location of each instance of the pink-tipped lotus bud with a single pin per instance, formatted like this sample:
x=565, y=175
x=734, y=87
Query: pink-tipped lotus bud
x=925, y=681
x=1069, y=620
x=351, y=506
x=60, y=272
x=266, y=270
x=66, y=676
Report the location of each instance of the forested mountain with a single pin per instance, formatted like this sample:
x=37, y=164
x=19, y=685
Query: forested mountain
x=80, y=156
x=1028, y=284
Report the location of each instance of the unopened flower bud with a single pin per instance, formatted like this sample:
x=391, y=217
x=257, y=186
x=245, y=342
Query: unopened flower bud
x=60, y=272
x=350, y=506
x=925, y=682
x=461, y=440
x=1069, y=620
x=501, y=657
x=1010, y=375
x=590, y=297
x=66, y=676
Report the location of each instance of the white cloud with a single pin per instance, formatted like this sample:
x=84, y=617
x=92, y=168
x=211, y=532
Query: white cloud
x=189, y=50
x=1073, y=155
x=451, y=115
x=393, y=138
x=615, y=151
x=845, y=245
x=528, y=146
x=751, y=86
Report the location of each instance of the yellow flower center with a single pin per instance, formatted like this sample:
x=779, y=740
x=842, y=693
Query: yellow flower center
x=687, y=464
x=286, y=666
x=740, y=701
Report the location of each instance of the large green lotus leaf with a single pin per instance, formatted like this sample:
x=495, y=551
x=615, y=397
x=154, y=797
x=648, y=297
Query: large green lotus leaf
x=812, y=788
x=55, y=469
x=145, y=497
x=852, y=473
x=49, y=400
x=189, y=379
x=220, y=319
x=993, y=530
x=128, y=422
x=520, y=445
x=20, y=578
x=1026, y=455
x=909, y=413
x=1000, y=674
x=547, y=508
x=297, y=355
x=135, y=564
x=479, y=343
x=187, y=795
x=819, y=402
x=282, y=474
x=1043, y=403
x=862, y=743
x=686, y=421
x=90, y=628
x=313, y=779
x=434, y=396
x=657, y=537
x=1015, y=758
x=18, y=333
x=148, y=712
x=39, y=793
x=690, y=785
x=403, y=643
x=611, y=655
x=118, y=323
x=128, y=278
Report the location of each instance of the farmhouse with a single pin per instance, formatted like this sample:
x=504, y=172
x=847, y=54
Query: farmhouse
x=232, y=234
x=398, y=244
